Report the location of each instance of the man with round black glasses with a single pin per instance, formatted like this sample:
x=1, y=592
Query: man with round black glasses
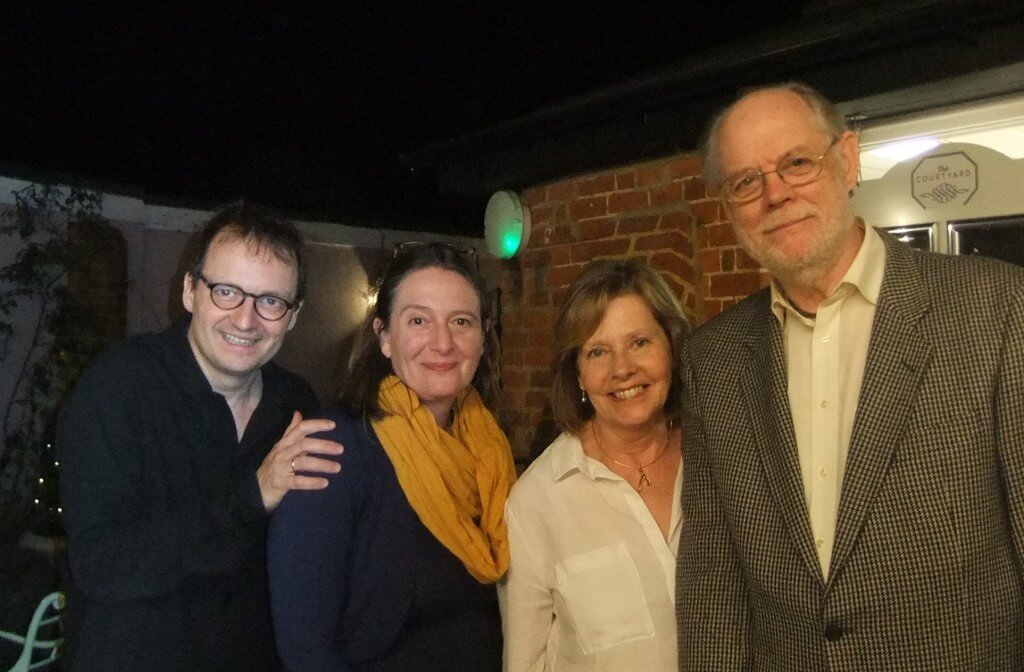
x=173, y=450
x=854, y=435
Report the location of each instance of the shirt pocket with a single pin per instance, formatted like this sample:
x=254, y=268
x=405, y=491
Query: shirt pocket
x=604, y=597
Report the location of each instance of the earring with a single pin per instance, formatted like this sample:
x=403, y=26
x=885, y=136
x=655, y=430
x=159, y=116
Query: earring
x=583, y=396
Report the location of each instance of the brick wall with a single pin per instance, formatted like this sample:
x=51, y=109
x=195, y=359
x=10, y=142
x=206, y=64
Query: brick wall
x=728, y=274
x=658, y=210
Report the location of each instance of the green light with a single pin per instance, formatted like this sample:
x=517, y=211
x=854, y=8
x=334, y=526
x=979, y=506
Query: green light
x=506, y=225
x=511, y=238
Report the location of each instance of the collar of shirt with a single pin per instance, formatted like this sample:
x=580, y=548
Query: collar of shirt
x=181, y=361
x=571, y=458
x=864, y=276
x=182, y=365
x=211, y=406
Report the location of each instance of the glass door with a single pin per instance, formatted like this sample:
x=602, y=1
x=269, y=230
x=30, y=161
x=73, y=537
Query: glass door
x=918, y=237
x=997, y=237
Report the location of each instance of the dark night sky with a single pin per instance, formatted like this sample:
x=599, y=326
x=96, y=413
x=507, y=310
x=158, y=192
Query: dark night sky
x=307, y=106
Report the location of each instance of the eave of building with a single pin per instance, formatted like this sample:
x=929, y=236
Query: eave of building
x=857, y=55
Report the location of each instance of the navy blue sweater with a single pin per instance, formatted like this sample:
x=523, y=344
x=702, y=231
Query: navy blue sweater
x=358, y=583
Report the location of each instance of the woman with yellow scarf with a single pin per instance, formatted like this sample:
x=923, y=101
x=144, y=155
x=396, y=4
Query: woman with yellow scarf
x=392, y=566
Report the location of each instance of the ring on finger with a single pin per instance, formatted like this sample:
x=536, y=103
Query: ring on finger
x=293, y=465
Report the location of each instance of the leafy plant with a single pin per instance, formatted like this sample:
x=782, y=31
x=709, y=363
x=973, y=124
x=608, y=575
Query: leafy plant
x=61, y=345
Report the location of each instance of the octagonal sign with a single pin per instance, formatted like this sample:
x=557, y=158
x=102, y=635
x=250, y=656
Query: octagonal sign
x=944, y=179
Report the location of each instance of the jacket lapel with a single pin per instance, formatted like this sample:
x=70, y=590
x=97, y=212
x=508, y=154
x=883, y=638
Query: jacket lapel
x=766, y=396
x=898, y=356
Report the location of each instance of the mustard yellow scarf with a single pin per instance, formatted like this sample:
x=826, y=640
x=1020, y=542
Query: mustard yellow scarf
x=452, y=480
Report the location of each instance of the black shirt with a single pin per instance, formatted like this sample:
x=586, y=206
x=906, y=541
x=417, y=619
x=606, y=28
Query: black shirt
x=166, y=527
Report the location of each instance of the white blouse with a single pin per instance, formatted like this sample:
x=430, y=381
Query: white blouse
x=591, y=582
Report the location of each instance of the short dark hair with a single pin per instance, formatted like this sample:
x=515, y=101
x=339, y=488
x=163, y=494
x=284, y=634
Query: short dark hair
x=260, y=226
x=582, y=312
x=367, y=365
x=825, y=111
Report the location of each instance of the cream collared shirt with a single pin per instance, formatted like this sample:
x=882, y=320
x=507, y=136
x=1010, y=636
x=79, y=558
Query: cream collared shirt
x=825, y=357
x=591, y=581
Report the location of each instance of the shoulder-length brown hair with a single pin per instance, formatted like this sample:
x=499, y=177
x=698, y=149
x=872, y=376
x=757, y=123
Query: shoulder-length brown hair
x=367, y=365
x=582, y=312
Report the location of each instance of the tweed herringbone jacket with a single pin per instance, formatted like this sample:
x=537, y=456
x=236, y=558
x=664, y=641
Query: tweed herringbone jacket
x=927, y=572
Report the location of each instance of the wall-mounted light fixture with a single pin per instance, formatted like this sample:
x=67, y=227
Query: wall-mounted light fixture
x=506, y=224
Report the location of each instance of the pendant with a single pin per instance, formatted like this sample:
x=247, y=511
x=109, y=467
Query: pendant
x=643, y=480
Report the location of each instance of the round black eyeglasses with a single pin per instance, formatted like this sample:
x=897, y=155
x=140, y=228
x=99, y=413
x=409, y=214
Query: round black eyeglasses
x=229, y=297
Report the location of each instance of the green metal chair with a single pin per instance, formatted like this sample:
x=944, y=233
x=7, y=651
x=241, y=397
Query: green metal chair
x=36, y=653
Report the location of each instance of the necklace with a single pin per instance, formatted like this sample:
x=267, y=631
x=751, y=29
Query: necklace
x=643, y=479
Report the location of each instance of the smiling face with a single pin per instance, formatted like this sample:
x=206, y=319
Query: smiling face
x=625, y=366
x=434, y=336
x=231, y=345
x=798, y=233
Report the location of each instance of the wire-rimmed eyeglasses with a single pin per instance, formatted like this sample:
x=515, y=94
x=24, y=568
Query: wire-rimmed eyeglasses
x=795, y=170
x=229, y=297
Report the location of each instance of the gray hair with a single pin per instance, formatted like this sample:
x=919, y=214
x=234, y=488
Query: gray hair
x=825, y=111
